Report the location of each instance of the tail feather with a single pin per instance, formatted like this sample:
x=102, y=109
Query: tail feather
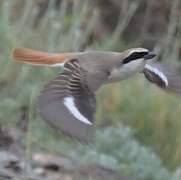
x=34, y=57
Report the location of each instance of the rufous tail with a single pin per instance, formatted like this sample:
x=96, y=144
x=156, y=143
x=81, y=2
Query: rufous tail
x=35, y=57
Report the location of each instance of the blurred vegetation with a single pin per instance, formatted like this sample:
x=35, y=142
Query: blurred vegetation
x=76, y=25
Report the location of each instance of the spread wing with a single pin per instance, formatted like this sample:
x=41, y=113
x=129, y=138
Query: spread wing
x=164, y=76
x=68, y=104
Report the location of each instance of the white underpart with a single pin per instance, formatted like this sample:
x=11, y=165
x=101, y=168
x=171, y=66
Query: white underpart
x=157, y=72
x=126, y=70
x=69, y=103
x=48, y=65
x=57, y=65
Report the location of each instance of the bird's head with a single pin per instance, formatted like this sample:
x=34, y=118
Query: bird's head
x=136, y=57
x=131, y=61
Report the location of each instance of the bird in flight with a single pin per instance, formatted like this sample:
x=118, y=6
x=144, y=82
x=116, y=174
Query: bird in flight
x=67, y=103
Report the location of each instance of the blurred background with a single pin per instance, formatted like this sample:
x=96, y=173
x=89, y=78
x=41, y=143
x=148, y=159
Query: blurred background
x=138, y=133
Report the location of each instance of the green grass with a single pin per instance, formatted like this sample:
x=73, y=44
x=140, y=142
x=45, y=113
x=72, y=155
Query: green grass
x=154, y=115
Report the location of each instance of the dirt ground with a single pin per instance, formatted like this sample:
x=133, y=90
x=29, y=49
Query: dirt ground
x=15, y=165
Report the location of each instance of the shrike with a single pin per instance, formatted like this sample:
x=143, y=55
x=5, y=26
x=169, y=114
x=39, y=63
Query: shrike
x=67, y=103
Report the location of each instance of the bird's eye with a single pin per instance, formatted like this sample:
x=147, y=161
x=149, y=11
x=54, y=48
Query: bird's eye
x=134, y=56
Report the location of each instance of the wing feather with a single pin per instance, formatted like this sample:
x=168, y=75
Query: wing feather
x=68, y=105
x=164, y=76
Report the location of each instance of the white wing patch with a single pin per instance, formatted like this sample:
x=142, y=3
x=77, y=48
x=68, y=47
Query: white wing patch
x=69, y=103
x=157, y=72
x=48, y=65
x=57, y=65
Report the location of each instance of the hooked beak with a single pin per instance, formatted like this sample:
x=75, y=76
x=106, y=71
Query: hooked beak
x=150, y=55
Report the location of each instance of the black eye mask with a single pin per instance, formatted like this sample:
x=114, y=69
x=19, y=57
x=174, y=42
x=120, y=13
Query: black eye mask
x=134, y=56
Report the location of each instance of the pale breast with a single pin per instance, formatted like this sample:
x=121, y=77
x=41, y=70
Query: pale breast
x=126, y=71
